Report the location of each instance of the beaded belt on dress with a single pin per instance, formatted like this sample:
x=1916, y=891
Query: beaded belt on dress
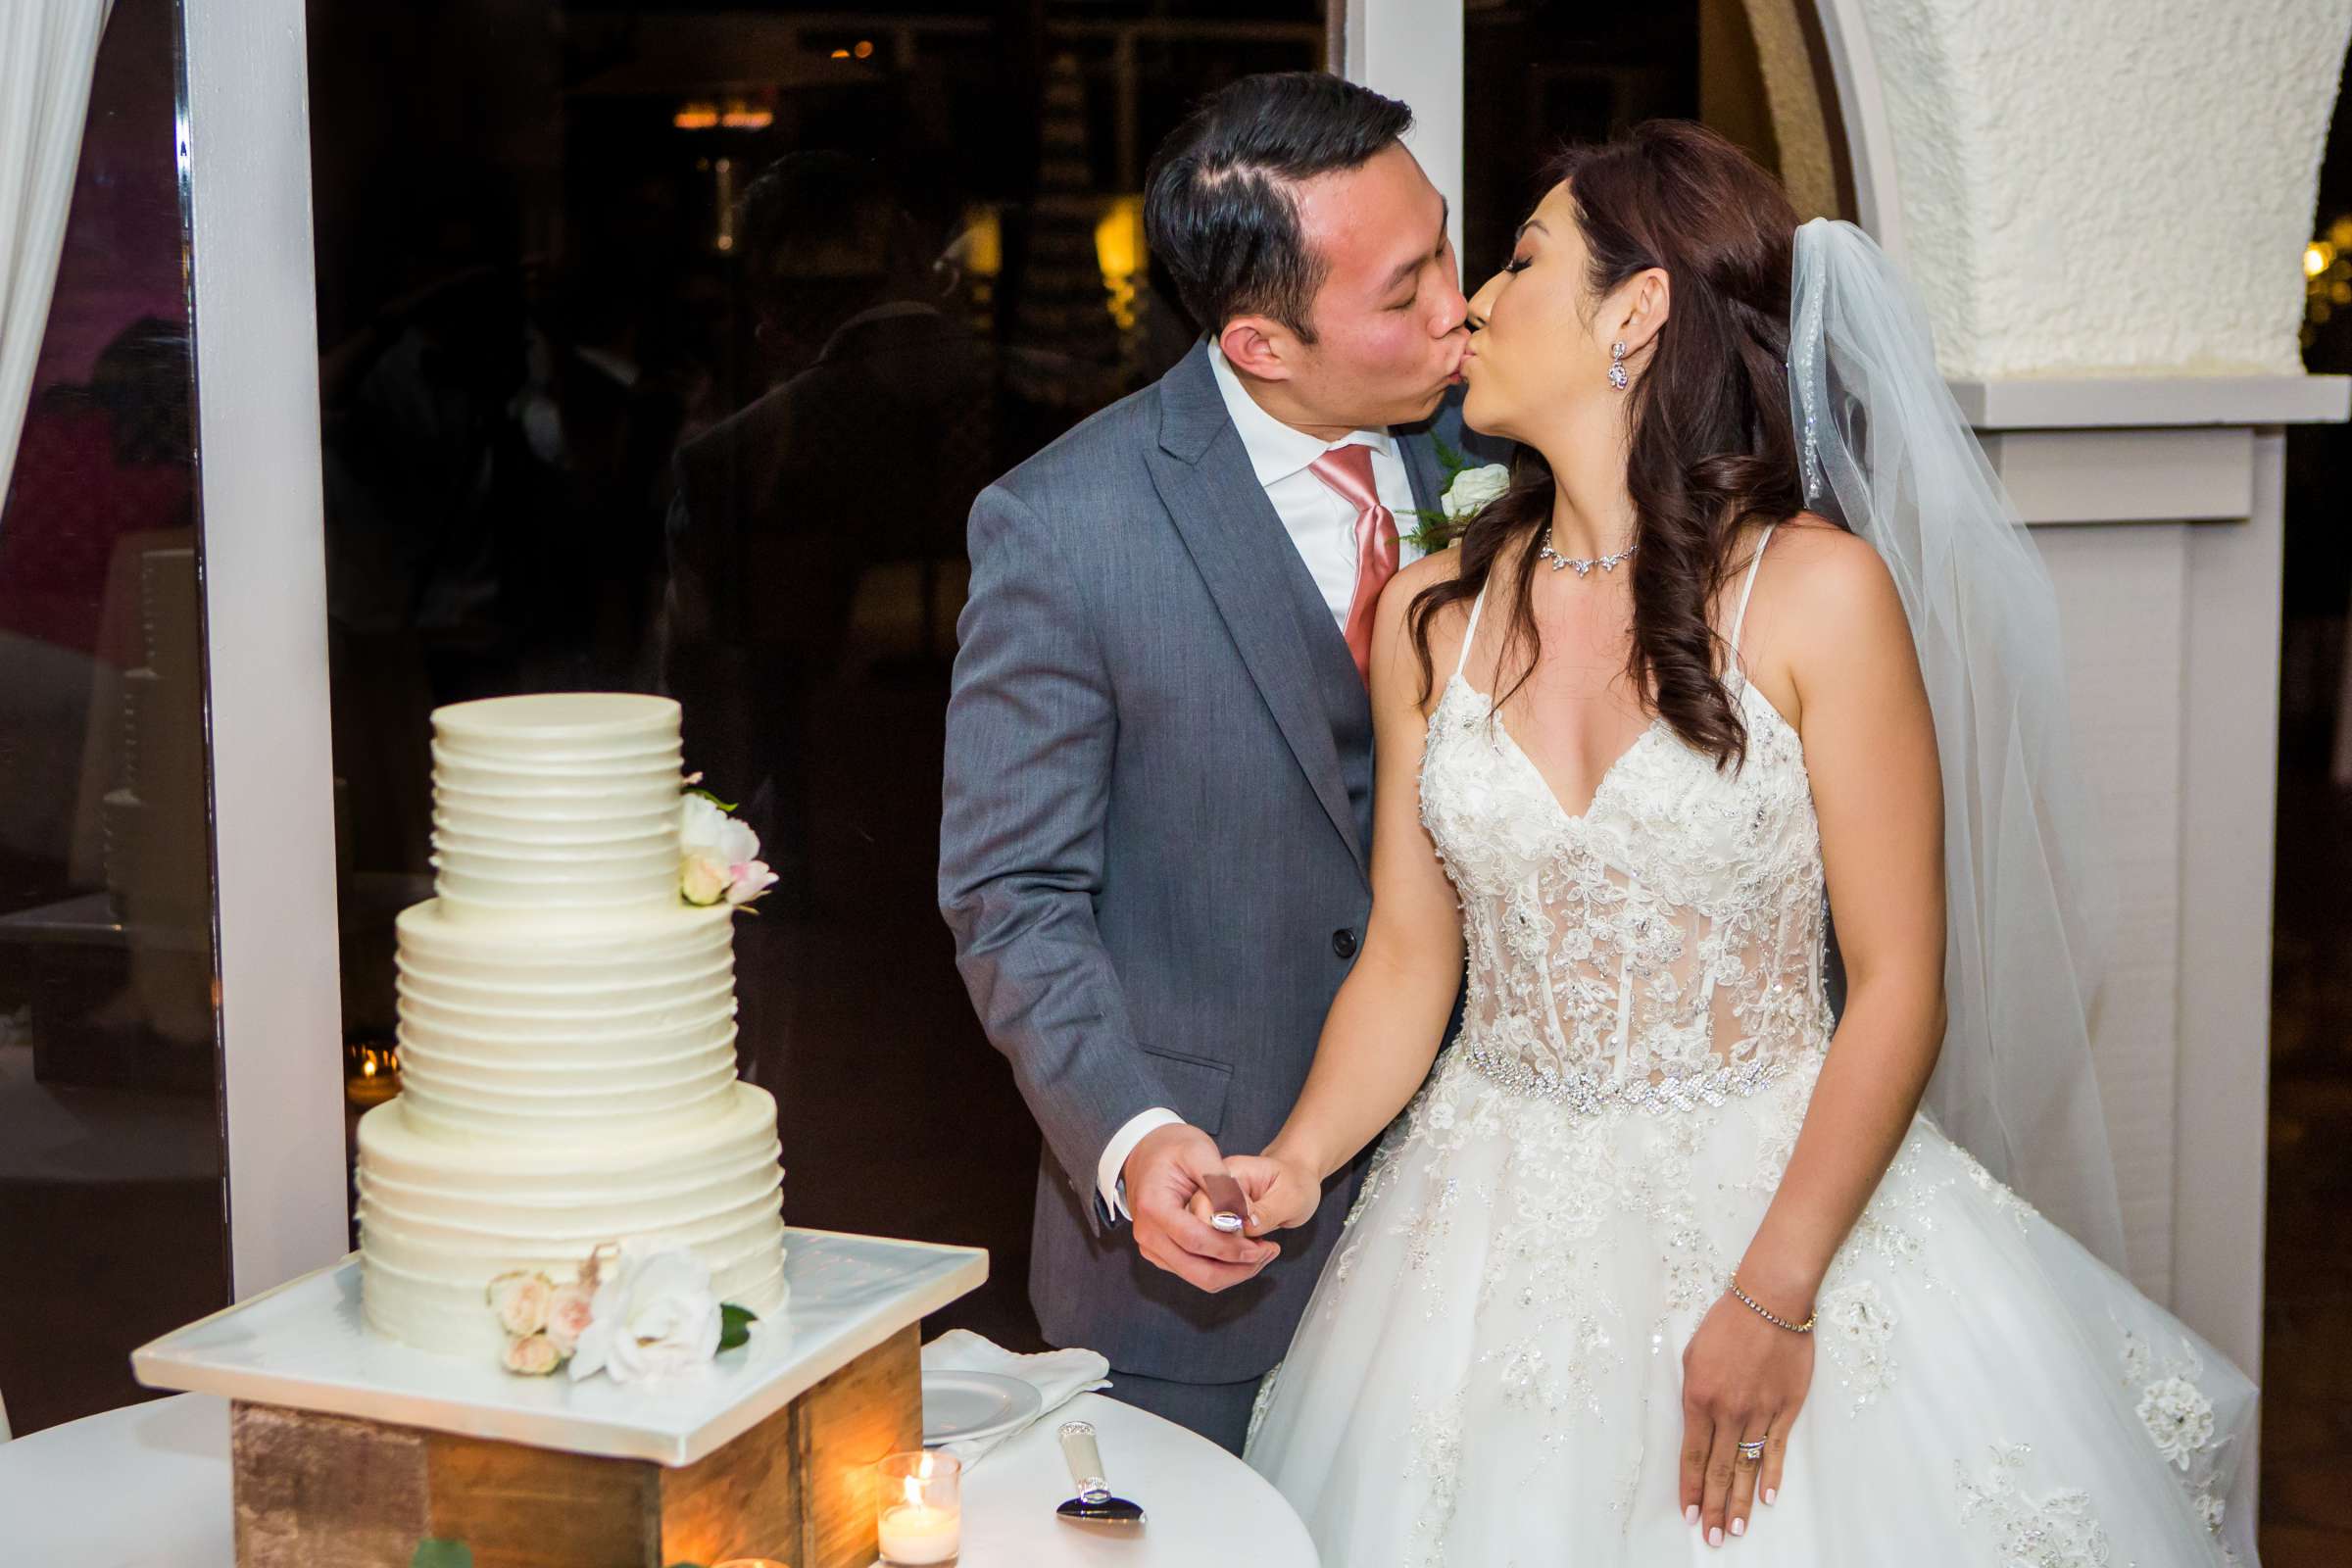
x=1592, y=1092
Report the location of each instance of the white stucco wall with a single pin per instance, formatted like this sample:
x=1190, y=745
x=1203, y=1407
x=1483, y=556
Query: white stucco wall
x=2109, y=185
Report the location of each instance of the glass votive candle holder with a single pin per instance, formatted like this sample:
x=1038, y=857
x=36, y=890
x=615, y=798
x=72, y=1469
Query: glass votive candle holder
x=921, y=1509
x=371, y=1072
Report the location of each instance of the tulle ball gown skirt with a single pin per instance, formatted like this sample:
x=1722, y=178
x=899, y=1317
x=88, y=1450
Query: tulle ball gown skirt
x=1490, y=1373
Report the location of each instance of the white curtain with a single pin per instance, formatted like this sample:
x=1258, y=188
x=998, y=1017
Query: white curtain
x=47, y=49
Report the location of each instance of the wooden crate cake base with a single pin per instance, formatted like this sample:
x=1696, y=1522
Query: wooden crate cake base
x=322, y=1490
x=351, y=1447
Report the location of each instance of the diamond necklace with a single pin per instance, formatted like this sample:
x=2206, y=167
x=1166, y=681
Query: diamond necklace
x=1560, y=562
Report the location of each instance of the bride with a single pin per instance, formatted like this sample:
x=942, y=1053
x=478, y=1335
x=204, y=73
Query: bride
x=1663, y=1235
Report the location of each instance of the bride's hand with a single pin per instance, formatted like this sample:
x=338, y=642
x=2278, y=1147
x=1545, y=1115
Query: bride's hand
x=1744, y=1379
x=1283, y=1193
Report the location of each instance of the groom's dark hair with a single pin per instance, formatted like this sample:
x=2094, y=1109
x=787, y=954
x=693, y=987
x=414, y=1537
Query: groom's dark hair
x=1220, y=204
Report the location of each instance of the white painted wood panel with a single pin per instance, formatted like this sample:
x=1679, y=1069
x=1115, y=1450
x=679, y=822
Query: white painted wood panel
x=2126, y=476
x=2229, y=789
x=2121, y=591
x=248, y=169
x=1412, y=50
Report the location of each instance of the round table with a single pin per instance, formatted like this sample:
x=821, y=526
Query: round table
x=148, y=1486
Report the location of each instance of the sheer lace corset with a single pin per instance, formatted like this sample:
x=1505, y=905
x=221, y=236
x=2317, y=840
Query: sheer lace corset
x=1663, y=949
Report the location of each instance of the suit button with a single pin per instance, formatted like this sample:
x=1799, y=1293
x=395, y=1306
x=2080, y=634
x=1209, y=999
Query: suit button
x=1343, y=943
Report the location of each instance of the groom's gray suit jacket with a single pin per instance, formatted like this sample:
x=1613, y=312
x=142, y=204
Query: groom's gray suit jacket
x=1153, y=847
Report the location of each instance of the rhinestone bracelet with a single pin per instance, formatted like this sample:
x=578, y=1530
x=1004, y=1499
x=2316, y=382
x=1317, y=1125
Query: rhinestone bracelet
x=1751, y=1303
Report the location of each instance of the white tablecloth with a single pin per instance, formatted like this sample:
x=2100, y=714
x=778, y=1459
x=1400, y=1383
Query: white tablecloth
x=148, y=1486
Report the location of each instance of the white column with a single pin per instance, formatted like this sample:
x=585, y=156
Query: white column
x=245, y=150
x=2106, y=187
x=1412, y=50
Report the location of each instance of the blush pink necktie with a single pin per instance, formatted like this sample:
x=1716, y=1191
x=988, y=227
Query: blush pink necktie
x=1347, y=470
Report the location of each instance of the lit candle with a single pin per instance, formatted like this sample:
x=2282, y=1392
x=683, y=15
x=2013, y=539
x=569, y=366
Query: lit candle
x=914, y=1534
x=922, y=1521
x=370, y=1072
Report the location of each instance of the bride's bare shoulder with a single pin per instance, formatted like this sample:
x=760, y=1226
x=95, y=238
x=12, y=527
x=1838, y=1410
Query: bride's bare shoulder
x=1818, y=562
x=1826, y=593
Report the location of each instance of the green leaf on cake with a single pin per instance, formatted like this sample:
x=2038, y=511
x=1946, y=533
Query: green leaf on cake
x=735, y=1325
x=434, y=1552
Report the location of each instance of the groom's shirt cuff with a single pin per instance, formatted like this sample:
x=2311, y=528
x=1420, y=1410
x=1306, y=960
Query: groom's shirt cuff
x=1107, y=1178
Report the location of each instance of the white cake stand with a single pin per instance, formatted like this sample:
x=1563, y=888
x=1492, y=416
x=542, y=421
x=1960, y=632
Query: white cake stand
x=302, y=1346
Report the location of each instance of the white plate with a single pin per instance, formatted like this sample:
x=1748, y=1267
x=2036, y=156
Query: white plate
x=962, y=1405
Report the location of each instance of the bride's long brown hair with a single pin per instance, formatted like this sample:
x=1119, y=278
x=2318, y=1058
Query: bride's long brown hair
x=1711, y=443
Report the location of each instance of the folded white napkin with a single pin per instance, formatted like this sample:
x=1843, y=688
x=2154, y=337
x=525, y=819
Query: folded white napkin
x=1058, y=1375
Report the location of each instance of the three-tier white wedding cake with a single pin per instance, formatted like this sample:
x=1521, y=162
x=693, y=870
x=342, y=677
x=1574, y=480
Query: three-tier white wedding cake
x=567, y=1032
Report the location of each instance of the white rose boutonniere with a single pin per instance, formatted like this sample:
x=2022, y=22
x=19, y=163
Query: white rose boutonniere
x=1473, y=488
x=1470, y=488
x=721, y=861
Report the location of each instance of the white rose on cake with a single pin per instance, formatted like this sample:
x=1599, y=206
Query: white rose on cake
x=640, y=1309
x=722, y=861
x=655, y=1314
x=705, y=828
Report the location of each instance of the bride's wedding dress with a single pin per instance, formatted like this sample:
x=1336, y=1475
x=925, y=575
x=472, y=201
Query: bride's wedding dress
x=1489, y=1372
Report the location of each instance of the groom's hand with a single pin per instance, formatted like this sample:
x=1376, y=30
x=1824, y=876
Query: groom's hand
x=1163, y=1174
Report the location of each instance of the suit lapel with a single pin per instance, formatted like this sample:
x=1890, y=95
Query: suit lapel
x=1246, y=559
x=1421, y=465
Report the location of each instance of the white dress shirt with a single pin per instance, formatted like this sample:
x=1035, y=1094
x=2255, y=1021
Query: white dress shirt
x=1321, y=524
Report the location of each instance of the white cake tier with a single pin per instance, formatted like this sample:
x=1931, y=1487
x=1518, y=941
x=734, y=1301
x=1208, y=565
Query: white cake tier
x=555, y=807
x=439, y=1220
x=515, y=1033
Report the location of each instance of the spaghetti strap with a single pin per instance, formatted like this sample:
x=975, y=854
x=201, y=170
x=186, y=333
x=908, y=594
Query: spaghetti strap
x=1740, y=615
x=1470, y=632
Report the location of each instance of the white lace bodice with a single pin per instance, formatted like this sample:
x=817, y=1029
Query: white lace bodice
x=1660, y=951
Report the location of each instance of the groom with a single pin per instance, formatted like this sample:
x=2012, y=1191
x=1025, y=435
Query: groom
x=1159, y=793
